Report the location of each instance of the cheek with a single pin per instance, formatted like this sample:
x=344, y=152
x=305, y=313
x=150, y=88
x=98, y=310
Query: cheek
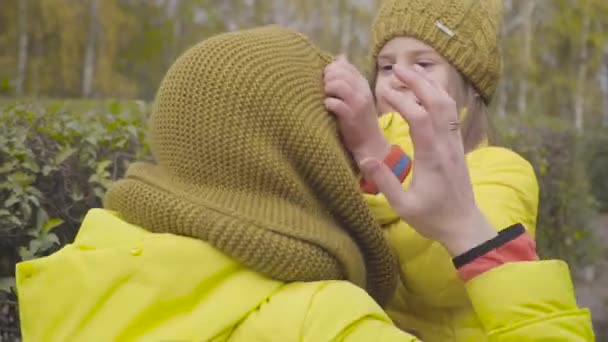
x=442, y=78
x=451, y=82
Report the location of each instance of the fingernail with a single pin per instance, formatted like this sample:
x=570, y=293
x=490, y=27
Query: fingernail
x=394, y=82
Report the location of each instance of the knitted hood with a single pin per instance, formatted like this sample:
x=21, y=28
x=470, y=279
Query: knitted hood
x=250, y=161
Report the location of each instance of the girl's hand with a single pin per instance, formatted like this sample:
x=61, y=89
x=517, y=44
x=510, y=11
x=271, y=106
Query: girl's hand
x=439, y=203
x=350, y=98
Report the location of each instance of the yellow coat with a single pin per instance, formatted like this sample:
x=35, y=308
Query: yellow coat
x=431, y=297
x=118, y=282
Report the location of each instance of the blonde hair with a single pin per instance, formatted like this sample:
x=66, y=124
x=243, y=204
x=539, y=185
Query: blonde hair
x=472, y=110
x=475, y=126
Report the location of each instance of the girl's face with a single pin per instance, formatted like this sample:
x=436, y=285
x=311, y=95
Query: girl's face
x=408, y=52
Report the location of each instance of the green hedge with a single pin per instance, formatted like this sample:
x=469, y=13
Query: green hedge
x=567, y=205
x=56, y=160
x=596, y=160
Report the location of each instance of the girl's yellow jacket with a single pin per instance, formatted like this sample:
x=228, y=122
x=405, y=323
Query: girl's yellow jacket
x=431, y=298
x=119, y=282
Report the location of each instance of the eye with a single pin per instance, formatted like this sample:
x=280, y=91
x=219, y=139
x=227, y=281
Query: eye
x=386, y=67
x=425, y=64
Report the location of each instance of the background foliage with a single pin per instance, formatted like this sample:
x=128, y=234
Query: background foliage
x=556, y=51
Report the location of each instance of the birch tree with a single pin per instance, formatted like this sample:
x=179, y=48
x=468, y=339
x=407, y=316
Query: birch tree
x=89, y=56
x=23, y=47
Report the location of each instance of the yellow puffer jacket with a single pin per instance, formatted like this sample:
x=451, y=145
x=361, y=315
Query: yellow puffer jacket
x=431, y=297
x=118, y=282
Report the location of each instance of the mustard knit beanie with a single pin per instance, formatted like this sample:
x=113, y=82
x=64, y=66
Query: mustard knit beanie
x=465, y=32
x=250, y=161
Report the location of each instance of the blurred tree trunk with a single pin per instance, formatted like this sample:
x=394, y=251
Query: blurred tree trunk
x=89, y=57
x=77, y=47
x=172, y=11
x=604, y=86
x=579, y=101
x=526, y=56
x=23, y=48
x=502, y=95
x=346, y=26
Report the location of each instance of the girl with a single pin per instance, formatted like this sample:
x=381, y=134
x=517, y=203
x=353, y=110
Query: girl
x=504, y=280
x=454, y=44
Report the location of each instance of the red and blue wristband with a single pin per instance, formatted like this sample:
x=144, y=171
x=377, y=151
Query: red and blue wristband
x=396, y=160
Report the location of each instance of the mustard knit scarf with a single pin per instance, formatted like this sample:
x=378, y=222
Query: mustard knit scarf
x=250, y=161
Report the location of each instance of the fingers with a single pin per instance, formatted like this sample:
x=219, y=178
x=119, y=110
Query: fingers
x=430, y=95
x=375, y=171
x=340, y=62
x=421, y=125
x=339, y=89
x=341, y=69
x=338, y=107
x=343, y=61
x=436, y=102
x=338, y=81
x=448, y=115
x=441, y=91
x=423, y=90
x=420, y=70
x=333, y=73
x=344, y=82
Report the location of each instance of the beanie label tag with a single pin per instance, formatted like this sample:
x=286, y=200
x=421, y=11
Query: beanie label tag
x=445, y=29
